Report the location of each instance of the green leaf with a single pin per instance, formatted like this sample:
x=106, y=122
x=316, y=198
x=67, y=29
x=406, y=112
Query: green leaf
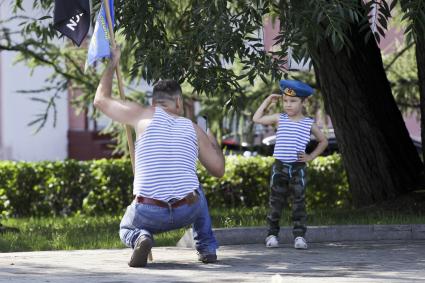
x=39, y=99
x=44, y=18
x=377, y=37
x=393, y=4
x=381, y=32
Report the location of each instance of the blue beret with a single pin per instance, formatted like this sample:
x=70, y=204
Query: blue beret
x=295, y=88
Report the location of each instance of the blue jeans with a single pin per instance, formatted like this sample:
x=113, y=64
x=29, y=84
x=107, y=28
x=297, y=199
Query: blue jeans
x=146, y=219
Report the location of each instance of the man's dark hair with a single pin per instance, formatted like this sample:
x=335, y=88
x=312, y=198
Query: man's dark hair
x=166, y=90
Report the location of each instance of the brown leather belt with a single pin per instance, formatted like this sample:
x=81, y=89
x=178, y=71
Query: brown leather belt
x=190, y=199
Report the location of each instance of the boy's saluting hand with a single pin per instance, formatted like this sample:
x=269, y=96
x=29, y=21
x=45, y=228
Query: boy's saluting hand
x=273, y=98
x=259, y=116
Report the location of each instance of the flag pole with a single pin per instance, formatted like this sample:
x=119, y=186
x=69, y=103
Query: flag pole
x=119, y=78
x=121, y=90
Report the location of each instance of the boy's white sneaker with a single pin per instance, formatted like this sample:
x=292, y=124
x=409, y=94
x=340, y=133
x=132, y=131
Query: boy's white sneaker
x=300, y=243
x=272, y=242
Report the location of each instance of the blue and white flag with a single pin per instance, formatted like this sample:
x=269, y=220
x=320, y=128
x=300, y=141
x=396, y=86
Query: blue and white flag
x=99, y=47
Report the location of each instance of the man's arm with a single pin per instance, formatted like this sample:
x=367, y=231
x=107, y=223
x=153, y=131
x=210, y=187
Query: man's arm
x=259, y=116
x=125, y=112
x=210, y=153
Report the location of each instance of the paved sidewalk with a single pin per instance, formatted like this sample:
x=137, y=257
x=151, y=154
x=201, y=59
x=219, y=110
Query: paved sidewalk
x=395, y=261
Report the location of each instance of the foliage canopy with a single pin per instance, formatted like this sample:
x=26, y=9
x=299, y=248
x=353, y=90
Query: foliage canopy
x=197, y=42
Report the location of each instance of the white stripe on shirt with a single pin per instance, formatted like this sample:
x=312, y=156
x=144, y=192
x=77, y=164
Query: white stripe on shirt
x=291, y=137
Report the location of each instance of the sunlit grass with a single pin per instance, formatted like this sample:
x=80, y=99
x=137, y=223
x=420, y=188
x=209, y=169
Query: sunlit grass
x=257, y=217
x=101, y=232
x=70, y=233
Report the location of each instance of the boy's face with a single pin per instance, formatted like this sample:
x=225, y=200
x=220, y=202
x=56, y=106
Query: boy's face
x=292, y=105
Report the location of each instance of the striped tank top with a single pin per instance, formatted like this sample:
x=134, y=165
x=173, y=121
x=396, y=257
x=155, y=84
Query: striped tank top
x=165, y=158
x=291, y=137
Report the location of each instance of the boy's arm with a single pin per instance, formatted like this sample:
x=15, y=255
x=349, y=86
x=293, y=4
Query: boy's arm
x=259, y=116
x=125, y=112
x=321, y=146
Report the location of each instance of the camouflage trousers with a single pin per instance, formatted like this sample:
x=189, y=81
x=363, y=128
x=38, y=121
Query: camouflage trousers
x=287, y=184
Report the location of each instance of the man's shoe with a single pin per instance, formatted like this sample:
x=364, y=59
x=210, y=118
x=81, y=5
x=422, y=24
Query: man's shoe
x=272, y=242
x=207, y=258
x=300, y=243
x=141, y=251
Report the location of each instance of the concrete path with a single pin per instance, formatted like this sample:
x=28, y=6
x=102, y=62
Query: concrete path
x=383, y=261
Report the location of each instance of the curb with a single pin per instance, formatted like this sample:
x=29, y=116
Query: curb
x=315, y=234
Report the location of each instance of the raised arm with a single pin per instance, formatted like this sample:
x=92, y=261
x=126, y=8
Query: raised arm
x=210, y=153
x=259, y=116
x=125, y=112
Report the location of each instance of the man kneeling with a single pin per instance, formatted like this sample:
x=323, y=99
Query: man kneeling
x=167, y=193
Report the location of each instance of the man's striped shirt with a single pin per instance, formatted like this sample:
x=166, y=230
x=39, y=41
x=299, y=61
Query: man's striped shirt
x=165, y=158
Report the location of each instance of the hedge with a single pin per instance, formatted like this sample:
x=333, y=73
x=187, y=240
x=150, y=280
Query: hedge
x=105, y=186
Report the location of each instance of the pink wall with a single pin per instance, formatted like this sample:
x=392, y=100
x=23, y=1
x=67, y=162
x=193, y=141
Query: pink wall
x=413, y=125
x=76, y=122
x=271, y=30
x=1, y=112
x=388, y=44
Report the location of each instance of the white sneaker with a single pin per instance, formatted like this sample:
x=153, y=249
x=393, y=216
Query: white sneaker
x=300, y=243
x=272, y=242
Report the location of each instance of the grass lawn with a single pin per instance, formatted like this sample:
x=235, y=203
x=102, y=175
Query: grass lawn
x=98, y=232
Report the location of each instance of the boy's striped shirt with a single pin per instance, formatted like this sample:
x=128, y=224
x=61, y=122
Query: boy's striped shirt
x=291, y=137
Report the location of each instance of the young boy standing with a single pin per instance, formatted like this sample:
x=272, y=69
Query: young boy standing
x=288, y=175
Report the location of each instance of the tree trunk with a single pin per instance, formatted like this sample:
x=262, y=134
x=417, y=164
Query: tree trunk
x=420, y=60
x=378, y=154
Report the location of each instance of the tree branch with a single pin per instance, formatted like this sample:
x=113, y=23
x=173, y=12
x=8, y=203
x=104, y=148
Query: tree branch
x=398, y=55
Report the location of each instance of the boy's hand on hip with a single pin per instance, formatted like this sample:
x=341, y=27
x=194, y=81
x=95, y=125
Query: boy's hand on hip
x=304, y=157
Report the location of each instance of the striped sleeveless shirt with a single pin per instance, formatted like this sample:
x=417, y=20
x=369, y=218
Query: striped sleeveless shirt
x=165, y=158
x=291, y=137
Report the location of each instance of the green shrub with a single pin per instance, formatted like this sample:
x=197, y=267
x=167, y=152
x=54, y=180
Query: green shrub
x=23, y=188
x=327, y=183
x=68, y=183
x=105, y=186
x=42, y=188
x=112, y=186
x=6, y=171
x=245, y=182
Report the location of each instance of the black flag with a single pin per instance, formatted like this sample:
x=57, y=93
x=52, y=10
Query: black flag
x=72, y=19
